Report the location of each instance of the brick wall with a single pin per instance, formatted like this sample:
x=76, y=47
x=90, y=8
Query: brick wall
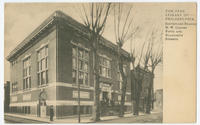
x=17, y=69
x=67, y=34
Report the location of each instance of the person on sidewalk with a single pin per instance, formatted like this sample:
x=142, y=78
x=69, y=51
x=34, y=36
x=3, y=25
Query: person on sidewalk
x=51, y=113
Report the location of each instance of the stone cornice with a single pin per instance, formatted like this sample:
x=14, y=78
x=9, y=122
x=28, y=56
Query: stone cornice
x=30, y=38
x=57, y=15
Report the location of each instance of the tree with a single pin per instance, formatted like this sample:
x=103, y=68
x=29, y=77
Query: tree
x=145, y=58
x=138, y=76
x=94, y=16
x=155, y=56
x=136, y=79
x=123, y=32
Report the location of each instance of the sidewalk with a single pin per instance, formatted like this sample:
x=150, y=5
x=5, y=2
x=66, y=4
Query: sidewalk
x=84, y=119
x=30, y=117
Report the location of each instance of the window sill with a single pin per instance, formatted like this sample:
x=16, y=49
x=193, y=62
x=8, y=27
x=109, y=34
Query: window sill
x=85, y=86
x=28, y=89
x=105, y=77
x=15, y=92
x=44, y=85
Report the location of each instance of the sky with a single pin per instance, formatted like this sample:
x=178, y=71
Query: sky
x=22, y=18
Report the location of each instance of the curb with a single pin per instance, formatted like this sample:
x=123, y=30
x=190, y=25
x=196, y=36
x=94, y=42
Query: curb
x=27, y=119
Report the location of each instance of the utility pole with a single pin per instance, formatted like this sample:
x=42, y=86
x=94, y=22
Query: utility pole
x=79, y=114
x=78, y=87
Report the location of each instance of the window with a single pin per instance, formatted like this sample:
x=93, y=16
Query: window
x=14, y=87
x=28, y=109
x=75, y=110
x=105, y=96
x=42, y=66
x=82, y=109
x=26, y=73
x=87, y=109
x=120, y=96
x=74, y=76
x=120, y=80
x=80, y=61
x=105, y=67
x=124, y=69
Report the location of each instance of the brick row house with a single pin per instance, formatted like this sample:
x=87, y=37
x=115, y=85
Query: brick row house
x=46, y=66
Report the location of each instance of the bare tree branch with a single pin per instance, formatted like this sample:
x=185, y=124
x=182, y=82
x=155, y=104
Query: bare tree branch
x=86, y=21
x=124, y=27
x=95, y=20
x=120, y=40
x=105, y=18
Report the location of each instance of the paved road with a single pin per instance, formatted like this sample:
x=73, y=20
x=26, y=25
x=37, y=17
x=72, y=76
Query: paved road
x=151, y=118
x=10, y=119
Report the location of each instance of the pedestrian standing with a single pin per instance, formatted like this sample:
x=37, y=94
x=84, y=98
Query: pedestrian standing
x=51, y=113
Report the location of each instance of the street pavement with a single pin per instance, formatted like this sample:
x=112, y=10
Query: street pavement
x=146, y=118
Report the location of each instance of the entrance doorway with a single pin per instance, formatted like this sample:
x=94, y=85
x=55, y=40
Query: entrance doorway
x=43, y=109
x=105, y=96
x=42, y=106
